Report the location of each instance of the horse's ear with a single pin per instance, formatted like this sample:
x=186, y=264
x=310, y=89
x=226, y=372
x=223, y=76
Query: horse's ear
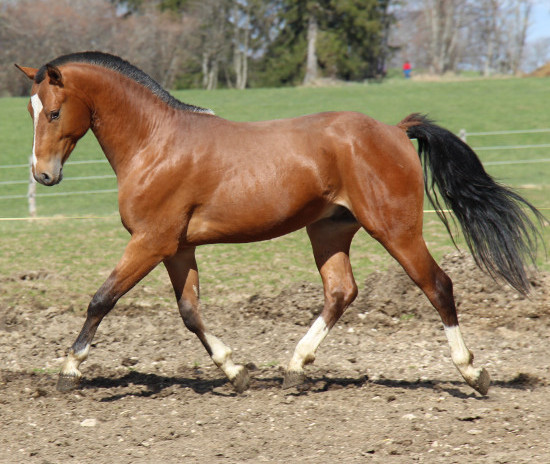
x=54, y=74
x=29, y=72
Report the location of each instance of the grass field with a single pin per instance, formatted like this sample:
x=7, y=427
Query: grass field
x=84, y=251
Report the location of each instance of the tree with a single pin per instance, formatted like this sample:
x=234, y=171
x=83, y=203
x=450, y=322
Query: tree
x=490, y=12
x=311, y=61
x=212, y=16
x=31, y=33
x=362, y=30
x=516, y=29
x=228, y=33
x=340, y=38
x=487, y=35
x=251, y=21
x=503, y=28
x=445, y=19
x=34, y=32
x=284, y=57
x=240, y=18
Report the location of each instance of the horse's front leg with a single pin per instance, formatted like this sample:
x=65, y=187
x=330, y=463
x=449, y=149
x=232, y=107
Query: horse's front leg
x=138, y=260
x=184, y=275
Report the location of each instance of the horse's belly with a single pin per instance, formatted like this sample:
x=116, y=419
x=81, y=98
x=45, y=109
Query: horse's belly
x=251, y=224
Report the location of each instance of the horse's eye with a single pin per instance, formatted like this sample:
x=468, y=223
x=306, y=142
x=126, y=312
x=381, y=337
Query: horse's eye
x=54, y=115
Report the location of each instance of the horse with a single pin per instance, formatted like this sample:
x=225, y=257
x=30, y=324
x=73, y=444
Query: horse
x=187, y=177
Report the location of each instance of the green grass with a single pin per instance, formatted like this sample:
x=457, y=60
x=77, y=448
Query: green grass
x=81, y=253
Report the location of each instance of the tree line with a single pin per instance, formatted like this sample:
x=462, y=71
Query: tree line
x=488, y=36
x=258, y=43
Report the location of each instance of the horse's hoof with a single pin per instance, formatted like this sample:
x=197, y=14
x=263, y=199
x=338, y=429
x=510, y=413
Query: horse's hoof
x=67, y=383
x=293, y=379
x=241, y=381
x=481, y=382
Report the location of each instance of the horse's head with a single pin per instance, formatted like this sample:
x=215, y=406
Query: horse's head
x=61, y=117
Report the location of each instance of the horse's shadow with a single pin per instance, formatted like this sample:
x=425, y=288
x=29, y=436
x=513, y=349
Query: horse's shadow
x=158, y=385
x=155, y=384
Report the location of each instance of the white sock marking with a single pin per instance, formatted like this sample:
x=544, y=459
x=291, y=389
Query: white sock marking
x=459, y=352
x=37, y=108
x=70, y=366
x=307, y=346
x=463, y=360
x=221, y=355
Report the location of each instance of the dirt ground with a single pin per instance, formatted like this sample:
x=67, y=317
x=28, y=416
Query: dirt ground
x=383, y=388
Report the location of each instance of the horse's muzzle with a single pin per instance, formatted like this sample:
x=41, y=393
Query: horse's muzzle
x=48, y=179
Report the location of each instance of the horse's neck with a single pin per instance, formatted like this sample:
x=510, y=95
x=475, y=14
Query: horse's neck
x=124, y=117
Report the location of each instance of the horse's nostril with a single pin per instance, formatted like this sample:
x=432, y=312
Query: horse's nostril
x=45, y=177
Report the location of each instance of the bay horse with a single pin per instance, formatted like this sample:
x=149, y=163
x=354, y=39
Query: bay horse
x=187, y=177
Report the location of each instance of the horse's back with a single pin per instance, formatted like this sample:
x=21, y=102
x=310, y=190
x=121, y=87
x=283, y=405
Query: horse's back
x=322, y=137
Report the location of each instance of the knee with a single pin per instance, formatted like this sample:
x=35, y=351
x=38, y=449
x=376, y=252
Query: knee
x=353, y=293
x=444, y=288
x=343, y=295
x=190, y=317
x=100, y=304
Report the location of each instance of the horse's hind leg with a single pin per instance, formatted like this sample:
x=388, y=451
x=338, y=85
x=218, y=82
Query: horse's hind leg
x=419, y=264
x=184, y=275
x=330, y=239
x=409, y=249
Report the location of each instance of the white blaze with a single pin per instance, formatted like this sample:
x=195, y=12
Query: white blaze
x=37, y=109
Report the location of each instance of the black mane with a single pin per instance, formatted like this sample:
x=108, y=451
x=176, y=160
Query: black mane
x=119, y=65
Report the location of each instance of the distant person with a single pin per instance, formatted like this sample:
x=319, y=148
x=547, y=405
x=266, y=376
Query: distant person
x=407, y=68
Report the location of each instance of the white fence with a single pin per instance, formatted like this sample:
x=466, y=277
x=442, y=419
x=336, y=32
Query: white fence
x=31, y=194
x=464, y=136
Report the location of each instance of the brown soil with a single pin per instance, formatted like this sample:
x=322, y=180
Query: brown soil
x=382, y=389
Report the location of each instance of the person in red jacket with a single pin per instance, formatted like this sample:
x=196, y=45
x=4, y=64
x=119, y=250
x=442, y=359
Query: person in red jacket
x=407, y=68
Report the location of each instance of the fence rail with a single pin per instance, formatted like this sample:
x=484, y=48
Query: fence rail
x=463, y=134
x=531, y=161
x=512, y=147
x=108, y=176
x=61, y=194
x=525, y=131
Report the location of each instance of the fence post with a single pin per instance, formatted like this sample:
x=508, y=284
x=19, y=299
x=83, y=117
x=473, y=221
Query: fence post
x=31, y=194
x=462, y=135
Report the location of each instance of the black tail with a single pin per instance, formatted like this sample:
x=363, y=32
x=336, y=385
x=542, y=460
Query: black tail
x=494, y=219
